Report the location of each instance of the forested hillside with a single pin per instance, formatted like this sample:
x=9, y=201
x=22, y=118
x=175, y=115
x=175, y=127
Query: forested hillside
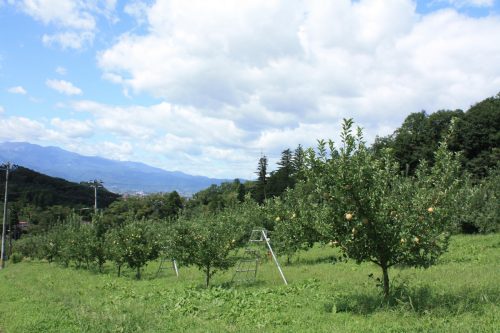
x=30, y=187
x=42, y=200
x=476, y=134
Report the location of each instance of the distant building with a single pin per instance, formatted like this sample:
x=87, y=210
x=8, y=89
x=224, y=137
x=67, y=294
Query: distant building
x=23, y=225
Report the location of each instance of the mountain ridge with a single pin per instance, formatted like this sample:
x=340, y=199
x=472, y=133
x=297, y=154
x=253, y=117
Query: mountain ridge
x=118, y=176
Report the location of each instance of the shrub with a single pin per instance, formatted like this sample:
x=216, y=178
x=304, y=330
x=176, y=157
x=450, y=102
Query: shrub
x=480, y=205
x=16, y=258
x=32, y=246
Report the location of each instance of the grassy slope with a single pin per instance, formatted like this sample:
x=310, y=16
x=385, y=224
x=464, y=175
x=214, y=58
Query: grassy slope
x=460, y=294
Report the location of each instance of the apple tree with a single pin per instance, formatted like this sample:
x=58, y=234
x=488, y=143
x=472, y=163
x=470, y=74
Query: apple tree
x=206, y=241
x=116, y=247
x=294, y=225
x=375, y=213
x=135, y=243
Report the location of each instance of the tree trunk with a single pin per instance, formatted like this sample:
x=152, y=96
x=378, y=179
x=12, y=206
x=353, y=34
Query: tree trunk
x=119, y=270
x=10, y=237
x=386, y=281
x=207, y=277
x=138, y=274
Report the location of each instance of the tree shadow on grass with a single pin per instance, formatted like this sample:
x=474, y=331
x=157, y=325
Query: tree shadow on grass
x=421, y=300
x=330, y=259
x=242, y=283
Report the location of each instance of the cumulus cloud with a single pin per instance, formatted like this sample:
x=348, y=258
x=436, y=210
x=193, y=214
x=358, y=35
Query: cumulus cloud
x=146, y=123
x=63, y=87
x=284, y=73
x=17, y=90
x=117, y=151
x=303, y=59
x=71, y=134
x=249, y=76
x=76, y=21
x=64, y=13
x=278, y=139
x=68, y=133
x=21, y=129
x=175, y=137
x=72, y=128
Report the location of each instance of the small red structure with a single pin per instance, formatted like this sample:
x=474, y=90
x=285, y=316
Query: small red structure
x=23, y=225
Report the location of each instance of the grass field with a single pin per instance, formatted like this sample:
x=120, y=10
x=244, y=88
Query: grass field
x=460, y=294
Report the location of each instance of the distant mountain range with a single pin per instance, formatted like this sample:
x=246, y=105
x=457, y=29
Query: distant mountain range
x=118, y=176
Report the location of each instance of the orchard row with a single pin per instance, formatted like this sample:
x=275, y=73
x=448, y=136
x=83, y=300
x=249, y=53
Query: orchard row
x=348, y=196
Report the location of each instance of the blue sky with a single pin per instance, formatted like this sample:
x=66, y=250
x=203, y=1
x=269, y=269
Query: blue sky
x=205, y=87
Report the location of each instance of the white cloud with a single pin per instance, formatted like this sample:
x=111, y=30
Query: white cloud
x=271, y=74
x=146, y=123
x=470, y=3
x=2, y=110
x=61, y=70
x=76, y=21
x=175, y=137
x=65, y=13
x=20, y=129
x=66, y=133
x=210, y=63
x=138, y=10
x=117, y=151
x=276, y=140
x=170, y=143
x=69, y=40
x=71, y=128
x=249, y=76
x=323, y=51
x=17, y=90
x=183, y=138
x=63, y=87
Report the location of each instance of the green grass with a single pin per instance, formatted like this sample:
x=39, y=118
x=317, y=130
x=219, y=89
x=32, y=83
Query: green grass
x=460, y=294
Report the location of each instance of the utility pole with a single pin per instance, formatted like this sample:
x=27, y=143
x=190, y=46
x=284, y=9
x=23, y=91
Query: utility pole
x=96, y=184
x=2, y=255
